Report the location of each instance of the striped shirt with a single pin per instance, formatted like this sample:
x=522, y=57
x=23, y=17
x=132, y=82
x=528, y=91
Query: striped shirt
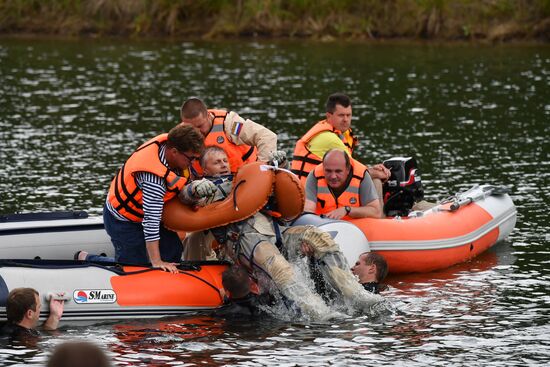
x=154, y=189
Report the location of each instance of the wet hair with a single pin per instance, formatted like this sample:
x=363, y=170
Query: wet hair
x=185, y=138
x=78, y=354
x=380, y=262
x=19, y=301
x=207, y=151
x=346, y=156
x=235, y=280
x=335, y=99
x=192, y=108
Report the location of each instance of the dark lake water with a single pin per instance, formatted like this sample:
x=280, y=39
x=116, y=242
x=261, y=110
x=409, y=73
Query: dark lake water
x=72, y=111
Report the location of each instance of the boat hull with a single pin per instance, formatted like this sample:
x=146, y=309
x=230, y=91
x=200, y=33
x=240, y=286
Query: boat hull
x=430, y=240
x=95, y=292
x=435, y=239
x=53, y=236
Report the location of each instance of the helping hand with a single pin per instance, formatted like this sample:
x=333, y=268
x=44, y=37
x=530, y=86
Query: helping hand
x=379, y=171
x=203, y=189
x=278, y=159
x=170, y=267
x=56, y=306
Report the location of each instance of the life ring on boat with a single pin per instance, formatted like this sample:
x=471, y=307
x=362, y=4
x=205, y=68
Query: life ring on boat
x=252, y=186
x=289, y=194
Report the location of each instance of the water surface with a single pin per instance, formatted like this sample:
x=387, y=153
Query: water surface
x=72, y=111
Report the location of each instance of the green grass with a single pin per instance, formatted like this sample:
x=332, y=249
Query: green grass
x=429, y=19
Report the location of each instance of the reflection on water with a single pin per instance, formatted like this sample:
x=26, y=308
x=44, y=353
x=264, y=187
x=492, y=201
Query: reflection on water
x=72, y=111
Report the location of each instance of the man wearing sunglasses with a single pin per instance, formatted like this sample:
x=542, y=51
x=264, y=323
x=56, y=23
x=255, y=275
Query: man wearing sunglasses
x=150, y=177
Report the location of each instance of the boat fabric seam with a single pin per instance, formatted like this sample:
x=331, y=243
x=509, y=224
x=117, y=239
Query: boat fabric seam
x=156, y=311
x=443, y=243
x=35, y=230
x=90, y=221
x=15, y=264
x=112, y=267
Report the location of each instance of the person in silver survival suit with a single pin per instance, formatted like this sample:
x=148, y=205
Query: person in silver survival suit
x=252, y=243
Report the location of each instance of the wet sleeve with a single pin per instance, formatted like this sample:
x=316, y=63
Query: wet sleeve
x=311, y=187
x=241, y=131
x=367, y=191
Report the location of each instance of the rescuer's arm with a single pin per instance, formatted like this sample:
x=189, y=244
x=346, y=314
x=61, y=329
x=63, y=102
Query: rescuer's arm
x=241, y=131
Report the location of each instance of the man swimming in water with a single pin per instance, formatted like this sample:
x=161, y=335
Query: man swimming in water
x=252, y=243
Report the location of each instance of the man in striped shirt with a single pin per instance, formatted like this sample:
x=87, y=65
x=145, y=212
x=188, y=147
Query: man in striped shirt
x=149, y=178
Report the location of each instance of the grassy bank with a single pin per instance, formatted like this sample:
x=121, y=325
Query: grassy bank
x=493, y=20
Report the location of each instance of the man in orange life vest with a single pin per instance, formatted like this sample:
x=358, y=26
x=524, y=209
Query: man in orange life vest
x=332, y=133
x=149, y=178
x=243, y=140
x=341, y=187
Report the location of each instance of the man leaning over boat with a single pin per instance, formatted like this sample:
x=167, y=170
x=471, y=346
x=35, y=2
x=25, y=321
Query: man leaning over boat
x=244, y=141
x=150, y=177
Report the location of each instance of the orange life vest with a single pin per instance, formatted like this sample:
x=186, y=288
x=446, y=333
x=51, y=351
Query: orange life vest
x=124, y=193
x=304, y=161
x=237, y=154
x=326, y=201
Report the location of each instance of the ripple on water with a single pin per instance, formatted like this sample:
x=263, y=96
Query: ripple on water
x=71, y=115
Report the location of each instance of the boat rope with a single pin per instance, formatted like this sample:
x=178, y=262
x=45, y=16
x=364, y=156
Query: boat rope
x=204, y=281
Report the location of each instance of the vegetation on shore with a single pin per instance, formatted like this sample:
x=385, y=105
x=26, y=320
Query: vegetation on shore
x=493, y=20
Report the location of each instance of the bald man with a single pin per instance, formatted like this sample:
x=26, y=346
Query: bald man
x=340, y=187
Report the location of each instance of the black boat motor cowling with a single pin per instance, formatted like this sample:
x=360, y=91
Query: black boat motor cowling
x=403, y=188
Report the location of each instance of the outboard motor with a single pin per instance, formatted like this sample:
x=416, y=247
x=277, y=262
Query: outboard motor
x=403, y=188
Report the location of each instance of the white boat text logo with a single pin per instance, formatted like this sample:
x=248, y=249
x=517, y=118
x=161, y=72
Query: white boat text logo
x=94, y=296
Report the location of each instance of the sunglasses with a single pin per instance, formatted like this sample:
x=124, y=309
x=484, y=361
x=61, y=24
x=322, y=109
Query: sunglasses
x=189, y=158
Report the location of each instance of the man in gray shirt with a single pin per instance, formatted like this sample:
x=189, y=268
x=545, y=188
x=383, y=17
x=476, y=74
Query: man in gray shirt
x=341, y=187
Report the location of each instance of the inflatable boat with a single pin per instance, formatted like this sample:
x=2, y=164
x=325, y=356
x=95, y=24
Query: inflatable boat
x=97, y=292
x=456, y=230
x=52, y=235
x=453, y=231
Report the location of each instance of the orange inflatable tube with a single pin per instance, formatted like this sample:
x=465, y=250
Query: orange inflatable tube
x=193, y=288
x=289, y=194
x=252, y=187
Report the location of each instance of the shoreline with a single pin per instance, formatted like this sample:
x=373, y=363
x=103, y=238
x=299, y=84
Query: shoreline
x=430, y=21
x=520, y=41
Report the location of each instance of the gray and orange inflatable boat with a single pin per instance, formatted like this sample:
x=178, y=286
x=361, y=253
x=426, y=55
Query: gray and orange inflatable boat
x=94, y=292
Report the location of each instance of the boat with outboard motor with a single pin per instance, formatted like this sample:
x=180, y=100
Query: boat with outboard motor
x=101, y=292
x=451, y=232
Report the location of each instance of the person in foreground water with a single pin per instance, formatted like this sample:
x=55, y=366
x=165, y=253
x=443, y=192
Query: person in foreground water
x=78, y=354
x=23, y=313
